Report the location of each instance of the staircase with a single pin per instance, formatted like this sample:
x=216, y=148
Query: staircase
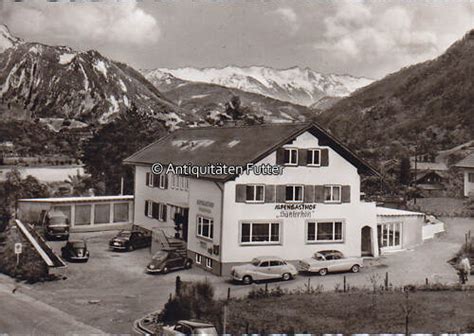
x=164, y=242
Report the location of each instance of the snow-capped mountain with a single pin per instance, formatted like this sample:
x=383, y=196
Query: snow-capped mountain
x=295, y=85
x=44, y=81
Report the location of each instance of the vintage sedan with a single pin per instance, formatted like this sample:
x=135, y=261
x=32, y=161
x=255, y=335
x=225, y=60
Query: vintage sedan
x=327, y=261
x=127, y=240
x=168, y=260
x=189, y=327
x=263, y=268
x=75, y=250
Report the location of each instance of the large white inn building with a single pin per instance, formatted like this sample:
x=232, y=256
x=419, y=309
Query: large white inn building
x=226, y=219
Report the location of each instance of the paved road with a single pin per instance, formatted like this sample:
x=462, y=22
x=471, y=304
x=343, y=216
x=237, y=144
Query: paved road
x=23, y=315
x=112, y=290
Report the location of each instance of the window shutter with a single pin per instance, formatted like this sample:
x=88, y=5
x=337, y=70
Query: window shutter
x=147, y=177
x=280, y=193
x=309, y=194
x=146, y=207
x=319, y=194
x=302, y=156
x=346, y=194
x=165, y=207
x=166, y=181
x=240, y=193
x=280, y=156
x=269, y=193
x=324, y=157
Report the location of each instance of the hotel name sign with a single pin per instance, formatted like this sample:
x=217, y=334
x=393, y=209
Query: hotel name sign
x=305, y=210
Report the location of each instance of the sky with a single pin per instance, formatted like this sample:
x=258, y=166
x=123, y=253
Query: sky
x=361, y=38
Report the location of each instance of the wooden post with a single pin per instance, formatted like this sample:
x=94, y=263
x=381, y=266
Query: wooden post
x=228, y=294
x=266, y=288
x=386, y=280
x=345, y=284
x=309, y=285
x=224, y=322
x=178, y=286
x=426, y=281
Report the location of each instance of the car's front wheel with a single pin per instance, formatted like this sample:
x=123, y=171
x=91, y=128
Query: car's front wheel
x=247, y=280
x=187, y=264
x=323, y=271
x=286, y=276
x=165, y=270
x=355, y=268
x=130, y=248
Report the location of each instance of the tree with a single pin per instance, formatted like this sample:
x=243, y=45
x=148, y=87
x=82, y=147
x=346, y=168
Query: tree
x=405, y=176
x=109, y=146
x=79, y=184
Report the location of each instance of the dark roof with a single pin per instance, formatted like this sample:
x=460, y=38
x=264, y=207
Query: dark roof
x=467, y=162
x=235, y=146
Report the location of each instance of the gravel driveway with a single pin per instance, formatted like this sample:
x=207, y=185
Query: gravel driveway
x=112, y=290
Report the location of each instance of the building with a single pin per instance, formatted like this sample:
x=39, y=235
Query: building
x=230, y=217
x=429, y=176
x=85, y=213
x=467, y=165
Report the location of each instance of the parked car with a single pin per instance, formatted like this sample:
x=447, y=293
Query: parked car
x=75, y=250
x=190, y=327
x=55, y=224
x=129, y=240
x=168, y=260
x=327, y=261
x=263, y=268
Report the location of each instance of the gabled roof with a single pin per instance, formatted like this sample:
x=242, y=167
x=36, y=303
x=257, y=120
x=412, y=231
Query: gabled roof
x=467, y=162
x=235, y=146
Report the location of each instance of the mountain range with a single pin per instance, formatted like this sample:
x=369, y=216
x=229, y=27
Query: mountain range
x=41, y=81
x=295, y=85
x=429, y=105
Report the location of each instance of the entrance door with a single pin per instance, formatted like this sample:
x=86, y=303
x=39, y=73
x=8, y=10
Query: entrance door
x=366, y=241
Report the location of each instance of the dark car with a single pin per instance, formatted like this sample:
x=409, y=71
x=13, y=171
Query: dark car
x=127, y=240
x=55, y=225
x=75, y=250
x=168, y=260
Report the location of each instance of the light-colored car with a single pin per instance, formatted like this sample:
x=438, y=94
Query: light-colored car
x=190, y=328
x=263, y=268
x=324, y=262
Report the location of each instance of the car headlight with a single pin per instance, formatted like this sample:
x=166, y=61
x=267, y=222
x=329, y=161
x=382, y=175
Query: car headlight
x=151, y=266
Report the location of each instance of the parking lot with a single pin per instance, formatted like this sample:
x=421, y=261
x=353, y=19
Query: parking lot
x=112, y=290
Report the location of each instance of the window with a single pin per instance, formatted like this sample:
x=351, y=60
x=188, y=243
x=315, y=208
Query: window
x=291, y=156
x=276, y=263
x=120, y=212
x=205, y=227
x=260, y=233
x=389, y=234
x=83, y=215
x=159, y=211
x=314, y=157
x=179, y=182
x=162, y=181
x=264, y=264
x=332, y=194
x=149, y=179
x=294, y=193
x=209, y=263
x=102, y=213
x=470, y=177
x=198, y=259
x=324, y=231
x=254, y=193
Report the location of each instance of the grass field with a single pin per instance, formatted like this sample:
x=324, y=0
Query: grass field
x=355, y=312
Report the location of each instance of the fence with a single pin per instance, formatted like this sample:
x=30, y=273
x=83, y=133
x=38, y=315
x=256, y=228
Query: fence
x=430, y=230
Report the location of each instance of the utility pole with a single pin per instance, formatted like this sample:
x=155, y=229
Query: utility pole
x=416, y=171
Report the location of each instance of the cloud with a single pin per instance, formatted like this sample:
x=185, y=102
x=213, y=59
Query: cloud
x=357, y=30
x=104, y=22
x=289, y=16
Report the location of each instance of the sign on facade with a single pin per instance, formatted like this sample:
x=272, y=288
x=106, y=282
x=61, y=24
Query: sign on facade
x=18, y=248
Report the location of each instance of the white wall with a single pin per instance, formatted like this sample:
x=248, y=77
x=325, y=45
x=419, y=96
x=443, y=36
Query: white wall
x=356, y=214
x=144, y=192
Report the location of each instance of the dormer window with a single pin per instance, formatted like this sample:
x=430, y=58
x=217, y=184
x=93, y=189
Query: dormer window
x=291, y=157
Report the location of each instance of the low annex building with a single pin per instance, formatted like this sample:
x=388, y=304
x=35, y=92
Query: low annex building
x=312, y=204
x=467, y=165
